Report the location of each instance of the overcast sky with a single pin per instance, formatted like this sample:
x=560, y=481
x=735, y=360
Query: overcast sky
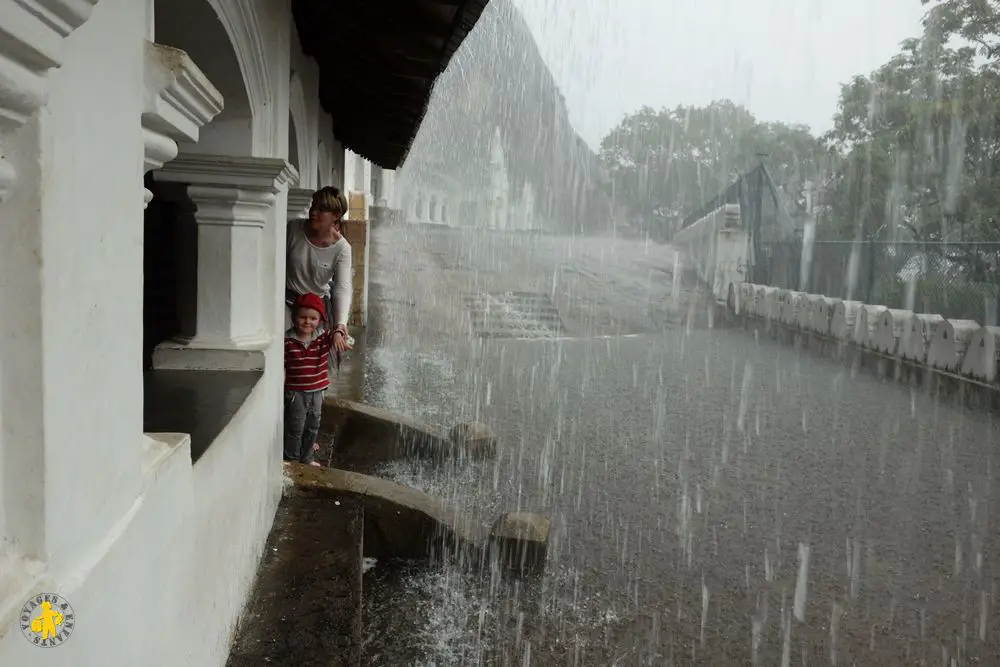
x=783, y=59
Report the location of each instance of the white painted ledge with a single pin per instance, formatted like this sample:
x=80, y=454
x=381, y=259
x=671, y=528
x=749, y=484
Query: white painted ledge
x=159, y=448
x=30, y=46
x=299, y=201
x=234, y=198
x=178, y=101
x=196, y=355
x=232, y=171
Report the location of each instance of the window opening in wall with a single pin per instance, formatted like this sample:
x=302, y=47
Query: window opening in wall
x=179, y=397
x=161, y=318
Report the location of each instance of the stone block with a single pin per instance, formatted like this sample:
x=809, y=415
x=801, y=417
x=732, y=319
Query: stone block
x=864, y=330
x=744, y=304
x=889, y=329
x=790, y=306
x=758, y=308
x=734, y=298
x=807, y=311
x=519, y=541
x=980, y=358
x=356, y=205
x=949, y=340
x=473, y=439
x=823, y=314
x=772, y=303
x=916, y=338
x=844, y=320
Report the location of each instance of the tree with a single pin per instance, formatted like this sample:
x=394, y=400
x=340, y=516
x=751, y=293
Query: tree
x=919, y=141
x=976, y=21
x=664, y=164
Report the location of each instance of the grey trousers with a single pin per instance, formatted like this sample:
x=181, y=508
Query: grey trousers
x=302, y=413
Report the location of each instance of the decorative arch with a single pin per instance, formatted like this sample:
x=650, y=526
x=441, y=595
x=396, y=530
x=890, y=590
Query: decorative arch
x=324, y=166
x=300, y=115
x=232, y=131
x=294, y=154
x=445, y=213
x=434, y=209
x=243, y=25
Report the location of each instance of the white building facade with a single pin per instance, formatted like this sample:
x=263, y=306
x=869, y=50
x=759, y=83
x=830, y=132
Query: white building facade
x=198, y=120
x=435, y=194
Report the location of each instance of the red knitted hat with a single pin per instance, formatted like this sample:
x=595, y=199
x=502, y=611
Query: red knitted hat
x=311, y=301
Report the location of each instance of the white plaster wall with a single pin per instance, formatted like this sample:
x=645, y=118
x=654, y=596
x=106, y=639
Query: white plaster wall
x=717, y=247
x=91, y=275
x=339, y=158
x=305, y=110
x=21, y=348
x=5, y=543
x=324, y=161
x=351, y=176
x=126, y=530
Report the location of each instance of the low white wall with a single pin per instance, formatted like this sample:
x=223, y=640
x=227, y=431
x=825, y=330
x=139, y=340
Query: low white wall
x=962, y=348
x=182, y=560
x=716, y=246
x=128, y=530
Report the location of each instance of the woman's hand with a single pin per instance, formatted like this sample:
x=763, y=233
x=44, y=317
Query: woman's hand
x=340, y=339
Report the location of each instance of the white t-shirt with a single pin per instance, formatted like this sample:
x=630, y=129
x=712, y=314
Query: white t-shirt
x=310, y=269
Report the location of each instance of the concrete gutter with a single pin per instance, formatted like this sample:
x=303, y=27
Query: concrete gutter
x=364, y=434
x=399, y=521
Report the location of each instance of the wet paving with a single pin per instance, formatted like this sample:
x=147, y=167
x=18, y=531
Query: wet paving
x=302, y=608
x=715, y=500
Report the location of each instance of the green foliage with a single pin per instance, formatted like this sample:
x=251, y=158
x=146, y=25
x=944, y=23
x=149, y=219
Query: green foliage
x=664, y=164
x=919, y=138
x=976, y=21
x=914, y=152
x=953, y=298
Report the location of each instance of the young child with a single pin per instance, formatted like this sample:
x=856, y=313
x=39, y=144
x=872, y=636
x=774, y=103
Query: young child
x=307, y=360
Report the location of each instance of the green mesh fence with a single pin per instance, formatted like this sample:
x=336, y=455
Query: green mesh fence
x=955, y=280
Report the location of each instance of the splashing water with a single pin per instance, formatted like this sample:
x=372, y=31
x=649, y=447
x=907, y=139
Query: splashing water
x=672, y=481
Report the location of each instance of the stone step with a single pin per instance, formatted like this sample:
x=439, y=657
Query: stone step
x=514, y=315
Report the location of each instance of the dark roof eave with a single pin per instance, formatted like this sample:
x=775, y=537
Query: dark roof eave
x=384, y=138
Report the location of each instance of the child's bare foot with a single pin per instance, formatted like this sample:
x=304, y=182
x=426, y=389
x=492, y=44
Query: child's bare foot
x=316, y=464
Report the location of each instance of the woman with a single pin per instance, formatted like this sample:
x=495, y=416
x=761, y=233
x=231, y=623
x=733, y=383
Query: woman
x=317, y=256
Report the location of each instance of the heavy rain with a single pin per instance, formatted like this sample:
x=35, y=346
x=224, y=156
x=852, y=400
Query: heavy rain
x=717, y=496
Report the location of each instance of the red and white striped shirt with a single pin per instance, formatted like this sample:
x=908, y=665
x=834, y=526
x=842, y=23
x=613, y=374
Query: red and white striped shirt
x=307, y=364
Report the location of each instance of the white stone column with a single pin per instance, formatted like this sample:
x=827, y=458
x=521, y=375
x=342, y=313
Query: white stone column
x=233, y=197
x=388, y=198
x=178, y=101
x=299, y=201
x=31, y=47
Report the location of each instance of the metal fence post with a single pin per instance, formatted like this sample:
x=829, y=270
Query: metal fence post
x=870, y=289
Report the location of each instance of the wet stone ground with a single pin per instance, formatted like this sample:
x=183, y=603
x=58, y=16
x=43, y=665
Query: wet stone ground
x=303, y=608
x=715, y=500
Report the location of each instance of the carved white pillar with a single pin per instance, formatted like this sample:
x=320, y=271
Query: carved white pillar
x=388, y=194
x=179, y=100
x=30, y=46
x=235, y=197
x=299, y=201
